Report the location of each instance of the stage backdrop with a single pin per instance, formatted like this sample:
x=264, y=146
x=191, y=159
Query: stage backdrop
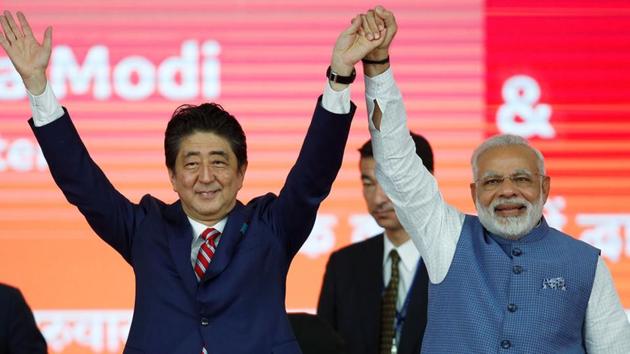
x=468, y=69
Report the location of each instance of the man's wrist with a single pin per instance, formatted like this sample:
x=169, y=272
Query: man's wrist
x=35, y=84
x=366, y=61
x=338, y=78
x=371, y=70
x=377, y=55
x=341, y=68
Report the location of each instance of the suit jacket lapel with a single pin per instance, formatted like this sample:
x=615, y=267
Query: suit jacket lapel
x=180, y=235
x=415, y=322
x=371, y=326
x=233, y=233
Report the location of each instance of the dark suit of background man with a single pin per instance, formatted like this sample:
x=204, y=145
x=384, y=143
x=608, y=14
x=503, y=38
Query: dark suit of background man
x=356, y=275
x=232, y=299
x=18, y=331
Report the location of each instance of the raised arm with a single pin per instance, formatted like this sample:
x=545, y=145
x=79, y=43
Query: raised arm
x=319, y=161
x=83, y=183
x=29, y=57
x=433, y=225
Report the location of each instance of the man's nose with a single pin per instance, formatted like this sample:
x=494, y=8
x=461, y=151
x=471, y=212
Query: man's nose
x=379, y=195
x=206, y=175
x=507, y=188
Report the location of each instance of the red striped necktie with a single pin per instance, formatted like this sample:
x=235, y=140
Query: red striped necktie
x=206, y=251
x=204, y=256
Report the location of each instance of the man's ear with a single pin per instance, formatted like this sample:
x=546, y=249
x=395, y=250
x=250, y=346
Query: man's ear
x=241, y=174
x=242, y=169
x=546, y=186
x=171, y=177
x=473, y=192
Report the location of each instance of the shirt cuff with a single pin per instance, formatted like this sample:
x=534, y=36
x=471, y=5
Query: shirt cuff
x=378, y=84
x=337, y=102
x=45, y=107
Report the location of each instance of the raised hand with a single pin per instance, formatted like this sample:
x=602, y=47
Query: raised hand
x=372, y=23
x=29, y=57
x=352, y=45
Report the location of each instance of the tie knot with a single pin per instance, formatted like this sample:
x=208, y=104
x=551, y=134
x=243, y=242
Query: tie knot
x=393, y=254
x=210, y=234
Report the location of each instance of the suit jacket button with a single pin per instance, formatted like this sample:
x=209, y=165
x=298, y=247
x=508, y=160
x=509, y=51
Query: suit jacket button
x=204, y=321
x=517, y=269
x=505, y=344
x=517, y=252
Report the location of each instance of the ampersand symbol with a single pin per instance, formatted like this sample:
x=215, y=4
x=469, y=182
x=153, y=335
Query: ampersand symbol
x=520, y=94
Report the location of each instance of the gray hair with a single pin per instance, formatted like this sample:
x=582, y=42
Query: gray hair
x=505, y=140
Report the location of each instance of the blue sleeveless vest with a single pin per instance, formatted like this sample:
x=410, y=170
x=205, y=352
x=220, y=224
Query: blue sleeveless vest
x=528, y=297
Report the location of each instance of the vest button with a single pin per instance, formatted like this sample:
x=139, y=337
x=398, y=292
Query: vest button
x=505, y=344
x=512, y=307
x=517, y=269
x=204, y=321
x=517, y=252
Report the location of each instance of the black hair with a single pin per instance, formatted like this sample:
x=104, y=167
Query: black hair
x=423, y=149
x=207, y=117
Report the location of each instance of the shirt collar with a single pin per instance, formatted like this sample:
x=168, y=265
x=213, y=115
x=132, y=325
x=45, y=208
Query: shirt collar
x=198, y=227
x=409, y=254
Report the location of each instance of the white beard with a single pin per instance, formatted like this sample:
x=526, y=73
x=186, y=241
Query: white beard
x=510, y=227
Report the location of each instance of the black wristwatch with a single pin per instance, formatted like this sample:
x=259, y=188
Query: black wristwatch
x=346, y=80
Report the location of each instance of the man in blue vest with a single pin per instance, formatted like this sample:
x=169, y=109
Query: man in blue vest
x=503, y=281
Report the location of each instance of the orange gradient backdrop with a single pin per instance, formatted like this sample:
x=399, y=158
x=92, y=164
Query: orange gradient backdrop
x=122, y=67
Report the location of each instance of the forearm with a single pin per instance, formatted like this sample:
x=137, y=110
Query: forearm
x=83, y=183
x=310, y=179
x=433, y=225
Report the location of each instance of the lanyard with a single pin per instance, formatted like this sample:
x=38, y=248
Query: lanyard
x=402, y=314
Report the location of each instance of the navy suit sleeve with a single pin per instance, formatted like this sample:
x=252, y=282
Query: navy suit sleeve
x=312, y=176
x=112, y=216
x=21, y=334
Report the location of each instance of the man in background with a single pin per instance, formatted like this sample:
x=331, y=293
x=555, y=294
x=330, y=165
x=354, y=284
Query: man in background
x=375, y=291
x=18, y=331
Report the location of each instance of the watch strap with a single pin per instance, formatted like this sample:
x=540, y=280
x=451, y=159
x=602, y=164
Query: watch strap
x=346, y=80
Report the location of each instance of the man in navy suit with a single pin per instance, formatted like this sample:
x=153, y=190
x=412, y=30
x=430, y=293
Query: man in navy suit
x=230, y=299
x=18, y=331
x=356, y=275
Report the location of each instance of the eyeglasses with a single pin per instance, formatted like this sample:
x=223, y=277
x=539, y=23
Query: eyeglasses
x=520, y=180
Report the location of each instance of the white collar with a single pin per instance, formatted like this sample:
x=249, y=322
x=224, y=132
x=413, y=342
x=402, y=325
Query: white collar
x=198, y=227
x=409, y=254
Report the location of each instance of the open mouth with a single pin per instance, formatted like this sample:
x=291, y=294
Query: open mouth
x=510, y=209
